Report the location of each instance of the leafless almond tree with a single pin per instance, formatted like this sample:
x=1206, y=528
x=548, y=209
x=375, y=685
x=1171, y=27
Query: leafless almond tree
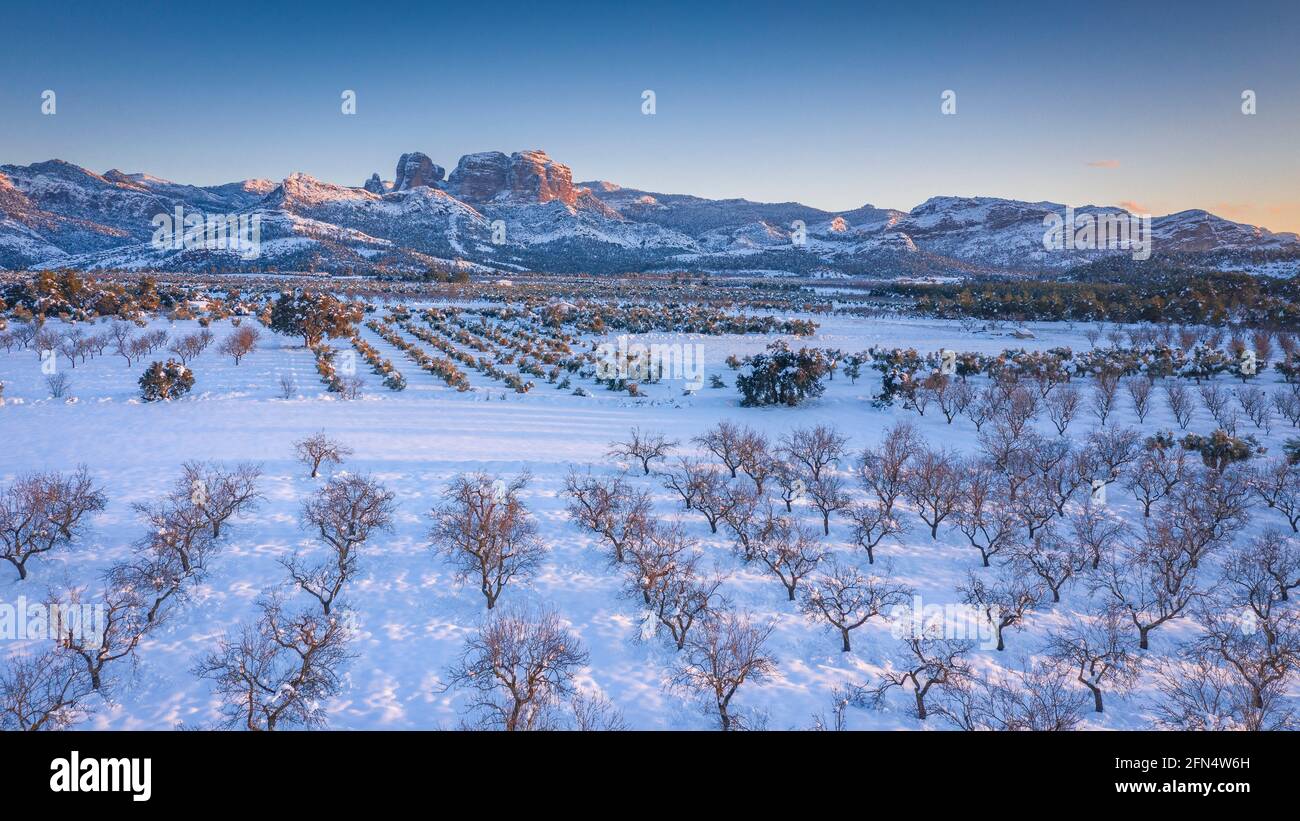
x=687, y=479
x=518, y=668
x=883, y=470
x=1002, y=600
x=1277, y=484
x=813, y=449
x=934, y=486
x=122, y=629
x=724, y=653
x=42, y=511
x=1098, y=652
x=47, y=690
x=1198, y=693
x=486, y=533
x=925, y=663
x=279, y=671
x=846, y=599
x=724, y=440
x=218, y=493
x=241, y=342
x=645, y=448
x=1152, y=581
x=790, y=551
x=1139, y=390
x=685, y=598
x=1270, y=562
x=610, y=508
x=343, y=514
x=872, y=525
x=1102, y=399
x=1180, y=402
x=984, y=514
x=828, y=495
x=318, y=449
x=1062, y=405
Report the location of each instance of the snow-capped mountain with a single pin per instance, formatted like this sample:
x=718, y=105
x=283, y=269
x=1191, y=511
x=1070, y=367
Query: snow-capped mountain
x=522, y=211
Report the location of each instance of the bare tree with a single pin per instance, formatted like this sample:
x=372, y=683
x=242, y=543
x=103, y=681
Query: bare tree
x=644, y=448
x=654, y=559
x=1154, y=475
x=1003, y=600
x=724, y=440
x=1287, y=403
x=1277, y=484
x=318, y=449
x=1139, y=390
x=934, y=486
x=790, y=551
x=872, y=525
x=1198, y=693
x=1098, y=652
x=1054, y=560
x=241, y=342
x=610, y=508
x=756, y=458
x=684, y=598
x=1062, y=405
x=218, y=493
x=926, y=663
x=716, y=497
x=344, y=514
x=1180, y=402
x=518, y=668
x=47, y=690
x=727, y=651
x=1269, y=563
x=278, y=671
x=828, y=496
x=487, y=534
x=1095, y=532
x=984, y=514
x=687, y=479
x=121, y=628
x=1151, y=582
x=1104, y=388
x=42, y=511
x=846, y=599
x=883, y=470
x=814, y=449
x=1035, y=698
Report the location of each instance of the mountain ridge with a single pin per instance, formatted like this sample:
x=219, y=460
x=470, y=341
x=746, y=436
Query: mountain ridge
x=523, y=211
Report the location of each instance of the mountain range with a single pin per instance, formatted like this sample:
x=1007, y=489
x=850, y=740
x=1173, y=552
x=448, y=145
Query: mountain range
x=523, y=212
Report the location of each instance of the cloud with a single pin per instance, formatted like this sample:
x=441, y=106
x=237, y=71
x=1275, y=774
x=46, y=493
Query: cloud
x=1104, y=164
x=1134, y=207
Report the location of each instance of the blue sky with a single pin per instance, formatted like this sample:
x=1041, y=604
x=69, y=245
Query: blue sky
x=834, y=106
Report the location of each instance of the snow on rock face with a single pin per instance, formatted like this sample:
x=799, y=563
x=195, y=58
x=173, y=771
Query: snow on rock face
x=479, y=177
x=524, y=176
x=535, y=177
x=414, y=170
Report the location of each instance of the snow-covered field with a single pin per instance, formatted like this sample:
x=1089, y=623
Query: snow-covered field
x=411, y=618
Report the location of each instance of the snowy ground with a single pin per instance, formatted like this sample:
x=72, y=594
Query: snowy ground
x=412, y=617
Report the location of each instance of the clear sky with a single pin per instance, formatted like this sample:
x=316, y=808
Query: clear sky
x=834, y=106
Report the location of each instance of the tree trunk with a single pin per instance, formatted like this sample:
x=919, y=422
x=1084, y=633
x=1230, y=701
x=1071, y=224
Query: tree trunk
x=844, y=633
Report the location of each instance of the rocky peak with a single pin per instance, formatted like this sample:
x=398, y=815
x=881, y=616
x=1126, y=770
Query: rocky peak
x=479, y=177
x=374, y=185
x=535, y=177
x=415, y=170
